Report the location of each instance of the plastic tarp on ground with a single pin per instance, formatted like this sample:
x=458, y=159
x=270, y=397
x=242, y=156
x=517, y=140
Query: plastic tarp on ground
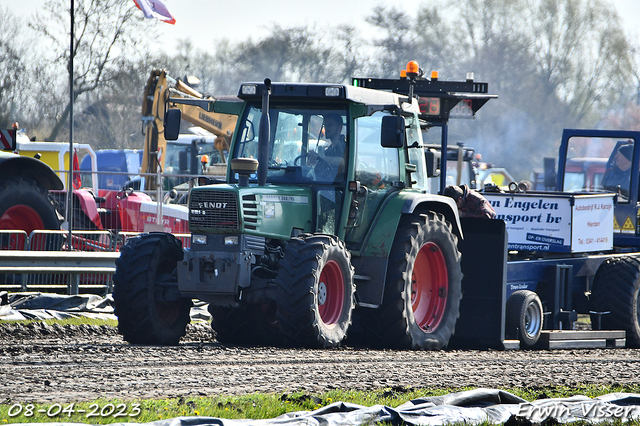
x=42, y=306
x=469, y=407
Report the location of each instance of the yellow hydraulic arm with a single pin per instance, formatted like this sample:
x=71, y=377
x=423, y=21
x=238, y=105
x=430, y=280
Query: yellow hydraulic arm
x=159, y=88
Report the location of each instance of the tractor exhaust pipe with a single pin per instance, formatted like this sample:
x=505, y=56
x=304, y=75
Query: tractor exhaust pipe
x=263, y=132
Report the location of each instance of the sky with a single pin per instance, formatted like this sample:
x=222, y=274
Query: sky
x=205, y=21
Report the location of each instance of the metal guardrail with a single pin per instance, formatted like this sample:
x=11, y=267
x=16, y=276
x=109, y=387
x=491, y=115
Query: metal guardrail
x=41, y=262
x=98, y=266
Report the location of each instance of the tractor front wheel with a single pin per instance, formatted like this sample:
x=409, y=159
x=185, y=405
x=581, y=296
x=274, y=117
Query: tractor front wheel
x=315, y=296
x=145, y=296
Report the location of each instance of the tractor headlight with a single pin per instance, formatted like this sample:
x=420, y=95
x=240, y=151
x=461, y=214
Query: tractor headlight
x=231, y=241
x=332, y=91
x=198, y=239
x=249, y=89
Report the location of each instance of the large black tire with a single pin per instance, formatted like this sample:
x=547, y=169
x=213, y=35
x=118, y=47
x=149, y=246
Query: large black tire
x=144, y=314
x=524, y=317
x=25, y=205
x=315, y=297
x=424, y=262
x=615, y=289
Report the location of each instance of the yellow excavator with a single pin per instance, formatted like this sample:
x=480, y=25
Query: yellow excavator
x=158, y=92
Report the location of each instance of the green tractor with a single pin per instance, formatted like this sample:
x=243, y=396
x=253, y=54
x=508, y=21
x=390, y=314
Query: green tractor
x=325, y=220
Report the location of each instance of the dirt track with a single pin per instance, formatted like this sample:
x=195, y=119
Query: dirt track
x=71, y=364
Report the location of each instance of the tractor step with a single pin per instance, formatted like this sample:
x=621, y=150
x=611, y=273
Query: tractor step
x=576, y=339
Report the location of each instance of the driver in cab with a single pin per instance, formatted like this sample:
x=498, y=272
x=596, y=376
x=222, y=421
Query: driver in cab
x=618, y=176
x=331, y=159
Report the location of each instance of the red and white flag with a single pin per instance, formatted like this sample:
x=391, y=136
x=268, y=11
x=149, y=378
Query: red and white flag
x=155, y=9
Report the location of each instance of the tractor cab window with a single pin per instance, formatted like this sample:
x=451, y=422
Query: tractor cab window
x=599, y=164
x=376, y=167
x=306, y=145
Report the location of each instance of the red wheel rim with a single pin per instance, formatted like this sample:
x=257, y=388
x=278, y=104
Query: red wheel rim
x=429, y=287
x=21, y=217
x=331, y=293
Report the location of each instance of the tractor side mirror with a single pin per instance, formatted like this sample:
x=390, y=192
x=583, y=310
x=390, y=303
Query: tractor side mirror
x=432, y=158
x=172, y=124
x=392, y=131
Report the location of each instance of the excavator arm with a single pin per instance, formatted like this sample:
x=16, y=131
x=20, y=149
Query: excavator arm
x=159, y=88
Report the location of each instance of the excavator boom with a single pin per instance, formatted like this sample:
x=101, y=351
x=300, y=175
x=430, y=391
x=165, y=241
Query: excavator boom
x=159, y=88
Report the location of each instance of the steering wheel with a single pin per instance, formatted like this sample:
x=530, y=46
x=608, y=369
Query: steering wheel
x=321, y=160
x=322, y=168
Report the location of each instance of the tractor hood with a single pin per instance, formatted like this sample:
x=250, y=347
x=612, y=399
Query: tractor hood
x=271, y=211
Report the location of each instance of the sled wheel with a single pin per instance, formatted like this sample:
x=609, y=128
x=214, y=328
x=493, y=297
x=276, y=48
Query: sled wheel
x=615, y=290
x=423, y=288
x=524, y=317
x=315, y=296
x=145, y=296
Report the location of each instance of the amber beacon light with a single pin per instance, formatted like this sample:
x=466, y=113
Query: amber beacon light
x=412, y=69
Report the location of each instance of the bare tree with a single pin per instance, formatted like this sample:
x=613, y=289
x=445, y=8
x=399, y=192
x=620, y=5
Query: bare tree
x=106, y=32
x=399, y=42
x=12, y=67
x=582, y=52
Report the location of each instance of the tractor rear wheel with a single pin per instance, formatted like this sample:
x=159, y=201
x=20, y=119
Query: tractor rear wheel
x=26, y=206
x=524, y=317
x=315, y=296
x=423, y=288
x=145, y=297
x=615, y=290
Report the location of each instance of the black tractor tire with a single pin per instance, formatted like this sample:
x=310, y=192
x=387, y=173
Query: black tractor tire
x=615, y=290
x=524, y=318
x=24, y=204
x=315, y=291
x=144, y=317
x=424, y=252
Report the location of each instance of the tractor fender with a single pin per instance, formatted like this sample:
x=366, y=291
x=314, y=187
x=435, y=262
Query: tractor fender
x=378, y=241
x=435, y=203
x=29, y=168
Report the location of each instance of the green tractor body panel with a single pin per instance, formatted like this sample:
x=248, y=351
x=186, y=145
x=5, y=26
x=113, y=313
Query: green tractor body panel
x=269, y=211
x=377, y=242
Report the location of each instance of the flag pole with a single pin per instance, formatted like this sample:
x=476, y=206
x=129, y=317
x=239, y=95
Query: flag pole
x=70, y=172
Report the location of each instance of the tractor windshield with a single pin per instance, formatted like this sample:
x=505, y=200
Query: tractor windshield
x=305, y=145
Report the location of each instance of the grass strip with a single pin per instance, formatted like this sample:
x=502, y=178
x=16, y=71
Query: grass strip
x=254, y=406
